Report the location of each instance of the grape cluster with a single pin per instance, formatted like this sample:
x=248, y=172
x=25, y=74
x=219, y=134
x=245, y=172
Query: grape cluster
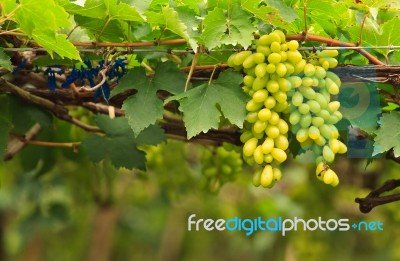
x=268, y=80
x=313, y=114
x=287, y=89
x=220, y=166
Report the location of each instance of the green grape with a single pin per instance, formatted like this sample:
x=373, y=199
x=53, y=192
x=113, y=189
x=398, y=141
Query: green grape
x=261, y=70
x=326, y=131
x=305, y=121
x=274, y=58
x=245, y=136
x=264, y=114
x=281, y=69
x=295, y=81
x=258, y=155
x=313, y=132
x=279, y=155
x=320, y=72
x=302, y=135
x=309, y=70
x=327, y=154
x=272, y=86
x=307, y=92
x=259, y=83
x=307, y=82
x=267, y=176
x=240, y=57
x=331, y=86
x=293, y=45
x=249, y=61
x=270, y=102
x=323, y=103
x=283, y=56
x=317, y=121
x=299, y=67
x=260, y=95
x=297, y=99
x=257, y=178
x=263, y=40
x=248, y=80
x=270, y=68
x=277, y=174
x=280, y=96
x=314, y=106
x=304, y=108
x=275, y=47
x=253, y=105
x=258, y=58
x=334, y=106
x=272, y=131
x=289, y=67
x=274, y=119
x=265, y=50
x=294, y=117
x=267, y=145
x=283, y=126
x=249, y=147
x=334, y=145
x=252, y=117
x=294, y=57
x=281, y=142
x=259, y=126
x=284, y=85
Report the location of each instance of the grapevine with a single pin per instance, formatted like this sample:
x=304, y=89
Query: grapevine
x=288, y=92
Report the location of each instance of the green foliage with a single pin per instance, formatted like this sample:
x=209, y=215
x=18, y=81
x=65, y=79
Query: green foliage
x=388, y=134
x=5, y=60
x=203, y=106
x=145, y=108
x=119, y=144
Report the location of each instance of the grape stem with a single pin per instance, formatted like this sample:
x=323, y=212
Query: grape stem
x=330, y=41
x=374, y=198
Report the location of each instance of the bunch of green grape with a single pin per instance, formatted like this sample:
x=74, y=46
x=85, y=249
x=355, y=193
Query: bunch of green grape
x=313, y=114
x=285, y=88
x=220, y=165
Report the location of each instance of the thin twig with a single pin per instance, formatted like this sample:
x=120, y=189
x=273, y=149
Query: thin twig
x=362, y=29
x=194, y=63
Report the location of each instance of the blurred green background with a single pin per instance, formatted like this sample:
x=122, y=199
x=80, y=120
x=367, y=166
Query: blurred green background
x=70, y=209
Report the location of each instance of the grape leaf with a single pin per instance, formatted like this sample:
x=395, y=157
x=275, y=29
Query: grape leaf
x=122, y=11
x=5, y=60
x=285, y=12
x=56, y=43
x=388, y=134
x=112, y=32
x=262, y=12
x=119, y=143
x=41, y=14
x=233, y=28
x=92, y=8
x=169, y=18
x=203, y=105
x=145, y=108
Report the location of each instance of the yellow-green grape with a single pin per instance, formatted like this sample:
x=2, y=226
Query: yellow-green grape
x=248, y=80
x=334, y=106
x=323, y=103
x=326, y=131
x=313, y=132
x=272, y=86
x=305, y=120
x=295, y=117
x=280, y=96
x=309, y=70
x=281, y=142
x=295, y=81
x=294, y=57
x=264, y=114
x=289, y=67
x=314, y=106
x=261, y=70
x=259, y=126
x=274, y=58
x=253, y=105
x=334, y=78
x=320, y=170
x=268, y=158
x=277, y=174
x=260, y=95
x=297, y=99
x=342, y=148
x=267, y=176
x=320, y=141
x=265, y=50
x=304, y=108
x=270, y=68
x=307, y=92
x=281, y=69
x=331, y=86
x=240, y=57
x=249, y=61
x=283, y=56
x=293, y=45
x=249, y=147
x=317, y=121
x=270, y=102
x=279, y=155
x=252, y=117
x=258, y=155
x=272, y=131
x=245, y=136
x=320, y=72
x=284, y=85
x=259, y=83
x=283, y=126
x=231, y=59
x=275, y=47
x=334, y=145
x=327, y=53
x=299, y=67
x=263, y=40
x=327, y=154
x=267, y=145
x=307, y=144
x=257, y=178
x=302, y=135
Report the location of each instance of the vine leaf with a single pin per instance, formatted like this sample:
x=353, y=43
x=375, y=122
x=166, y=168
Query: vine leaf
x=122, y=11
x=5, y=60
x=145, y=108
x=170, y=19
x=388, y=134
x=235, y=28
x=56, y=43
x=204, y=105
x=92, y=8
x=119, y=143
